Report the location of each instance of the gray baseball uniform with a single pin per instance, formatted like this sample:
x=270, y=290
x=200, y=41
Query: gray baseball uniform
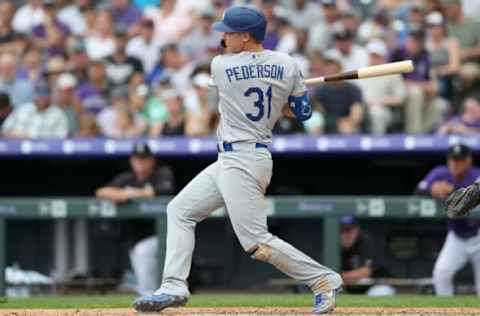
x=252, y=89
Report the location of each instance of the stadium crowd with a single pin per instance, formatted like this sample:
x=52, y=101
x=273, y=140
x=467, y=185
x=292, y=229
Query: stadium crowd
x=120, y=68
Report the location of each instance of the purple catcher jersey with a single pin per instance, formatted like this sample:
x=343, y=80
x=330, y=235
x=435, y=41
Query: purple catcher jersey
x=464, y=226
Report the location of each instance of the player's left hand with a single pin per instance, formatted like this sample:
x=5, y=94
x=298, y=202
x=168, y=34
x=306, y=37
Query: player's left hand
x=287, y=112
x=460, y=202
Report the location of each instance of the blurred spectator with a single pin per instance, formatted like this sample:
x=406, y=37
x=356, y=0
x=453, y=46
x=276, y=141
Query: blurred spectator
x=39, y=119
x=168, y=47
x=320, y=32
x=466, y=30
x=351, y=55
x=316, y=124
x=468, y=82
x=116, y=120
x=350, y=20
x=50, y=34
x=120, y=68
x=94, y=94
x=151, y=109
x=55, y=66
x=341, y=102
x=466, y=123
x=382, y=94
x=87, y=126
x=71, y=15
x=444, y=54
x=416, y=16
x=303, y=13
x=199, y=106
x=378, y=25
x=361, y=257
x=64, y=98
x=471, y=8
x=424, y=109
x=271, y=36
x=145, y=180
x=202, y=40
x=144, y=47
x=100, y=41
x=78, y=59
x=125, y=124
x=287, y=42
x=317, y=63
x=409, y=16
x=142, y=4
x=89, y=14
x=220, y=6
x=175, y=125
x=19, y=90
x=9, y=38
x=32, y=66
x=171, y=25
x=5, y=107
x=125, y=14
x=28, y=16
x=461, y=244
x=172, y=65
x=136, y=103
x=433, y=5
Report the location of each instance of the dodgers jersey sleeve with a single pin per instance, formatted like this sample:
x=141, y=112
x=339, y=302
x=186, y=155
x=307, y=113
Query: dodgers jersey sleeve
x=252, y=89
x=299, y=86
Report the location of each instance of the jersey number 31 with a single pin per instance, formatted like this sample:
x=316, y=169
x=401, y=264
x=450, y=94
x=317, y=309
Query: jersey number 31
x=259, y=103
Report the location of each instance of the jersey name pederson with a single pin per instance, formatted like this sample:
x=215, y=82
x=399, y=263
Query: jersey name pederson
x=255, y=71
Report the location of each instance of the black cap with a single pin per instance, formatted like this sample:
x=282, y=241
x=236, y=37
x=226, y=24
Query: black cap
x=342, y=33
x=142, y=150
x=417, y=33
x=459, y=152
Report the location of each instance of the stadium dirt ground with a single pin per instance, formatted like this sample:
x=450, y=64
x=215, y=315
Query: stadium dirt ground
x=243, y=311
x=246, y=304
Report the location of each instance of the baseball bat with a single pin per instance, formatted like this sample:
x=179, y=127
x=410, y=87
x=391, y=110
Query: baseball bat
x=366, y=72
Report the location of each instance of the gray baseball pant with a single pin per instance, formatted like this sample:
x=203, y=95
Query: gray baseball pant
x=237, y=180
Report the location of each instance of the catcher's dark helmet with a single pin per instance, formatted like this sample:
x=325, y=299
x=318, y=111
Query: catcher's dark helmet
x=243, y=19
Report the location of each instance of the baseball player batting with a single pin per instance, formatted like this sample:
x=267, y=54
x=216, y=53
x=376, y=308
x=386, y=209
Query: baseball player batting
x=255, y=87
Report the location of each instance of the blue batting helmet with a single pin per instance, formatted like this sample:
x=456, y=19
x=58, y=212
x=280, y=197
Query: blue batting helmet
x=243, y=19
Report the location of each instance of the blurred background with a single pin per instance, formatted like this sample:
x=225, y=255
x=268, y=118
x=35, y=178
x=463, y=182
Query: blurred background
x=110, y=100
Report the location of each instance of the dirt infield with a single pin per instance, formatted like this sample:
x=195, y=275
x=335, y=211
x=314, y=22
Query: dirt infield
x=254, y=311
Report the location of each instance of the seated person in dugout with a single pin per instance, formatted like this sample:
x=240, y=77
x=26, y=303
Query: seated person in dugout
x=361, y=260
x=145, y=180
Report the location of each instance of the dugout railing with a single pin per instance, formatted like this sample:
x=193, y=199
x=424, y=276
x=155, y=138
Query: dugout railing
x=328, y=208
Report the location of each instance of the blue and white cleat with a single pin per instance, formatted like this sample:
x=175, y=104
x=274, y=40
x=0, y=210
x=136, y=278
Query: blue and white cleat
x=325, y=302
x=158, y=302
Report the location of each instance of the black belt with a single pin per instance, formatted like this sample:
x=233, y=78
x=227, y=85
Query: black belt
x=229, y=146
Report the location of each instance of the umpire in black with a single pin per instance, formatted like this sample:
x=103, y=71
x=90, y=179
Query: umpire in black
x=145, y=180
